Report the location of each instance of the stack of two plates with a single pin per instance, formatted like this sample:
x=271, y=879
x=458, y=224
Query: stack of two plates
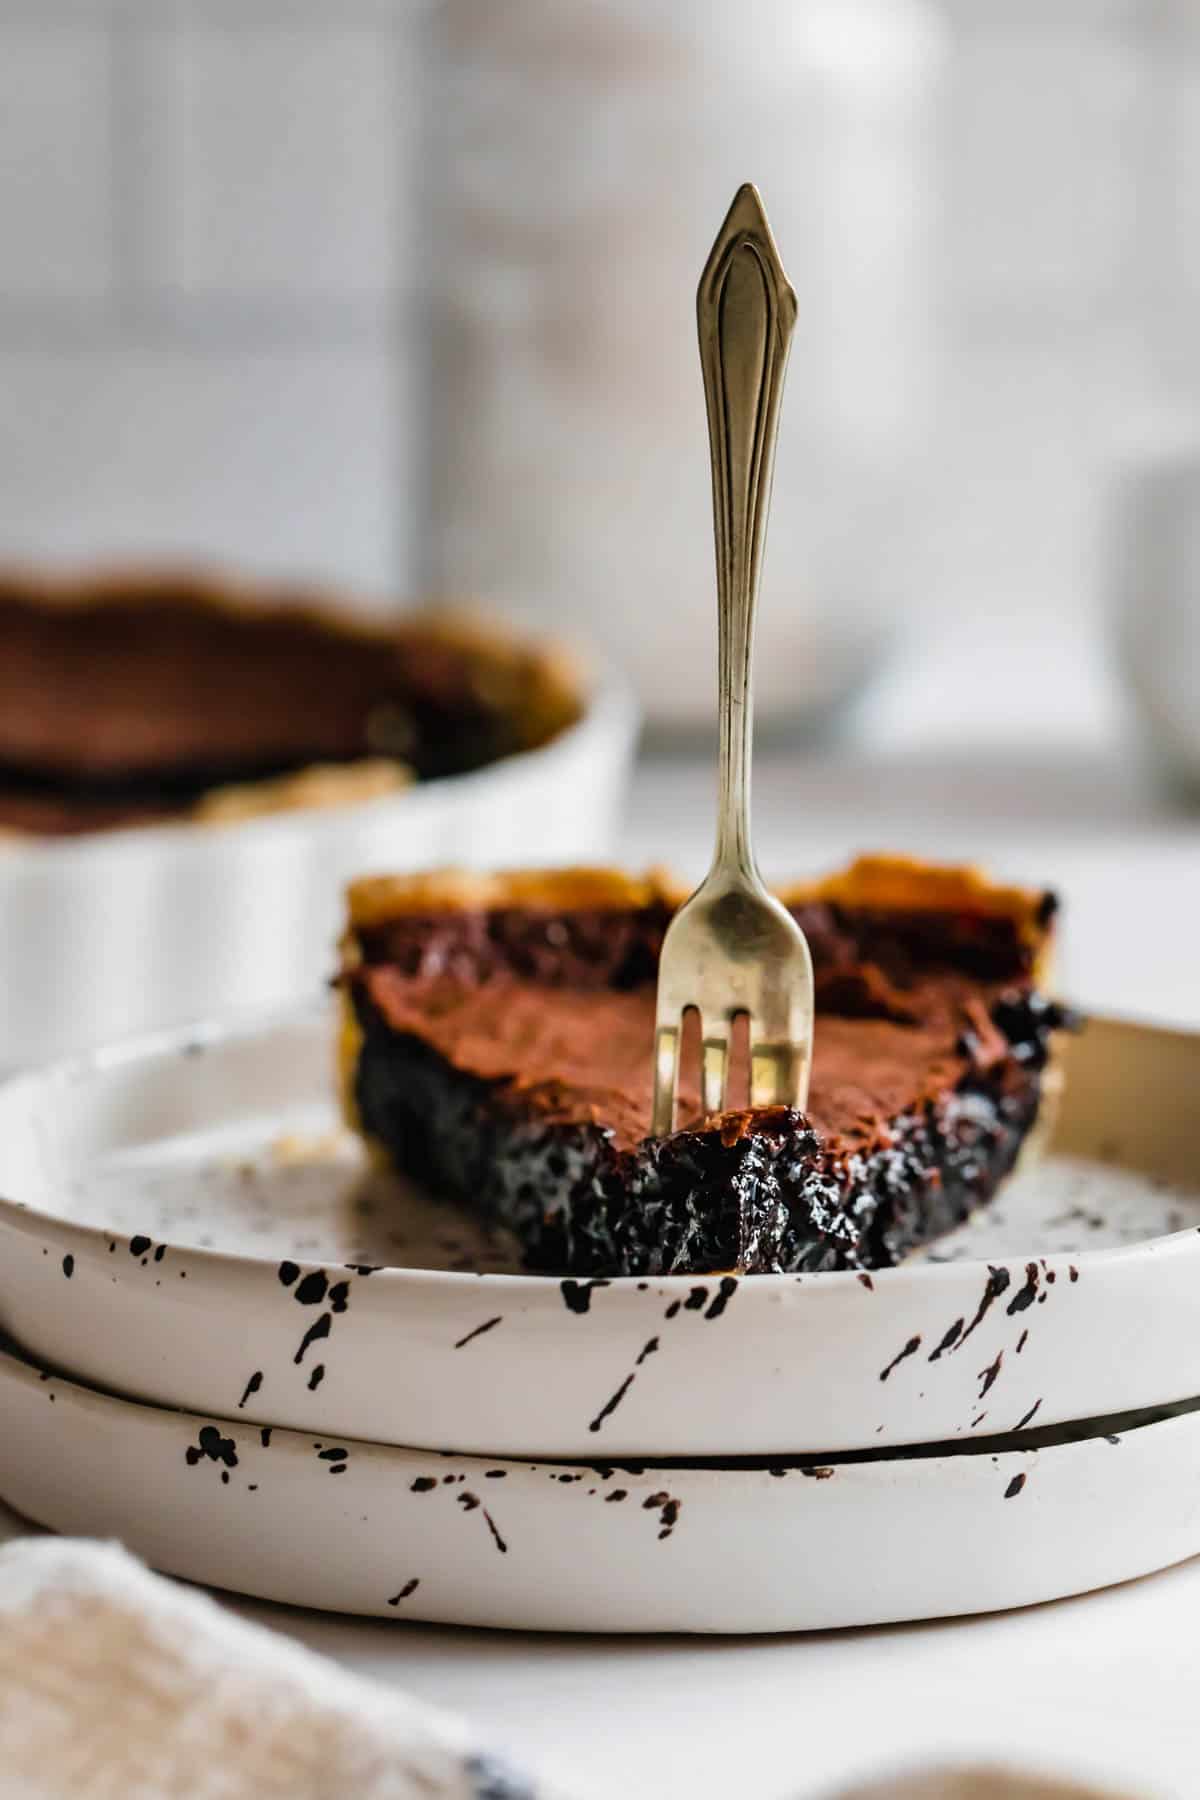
x=265, y=1368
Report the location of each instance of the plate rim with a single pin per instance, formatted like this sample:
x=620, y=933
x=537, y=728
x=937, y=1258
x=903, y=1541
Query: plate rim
x=20, y=1366
x=215, y=1032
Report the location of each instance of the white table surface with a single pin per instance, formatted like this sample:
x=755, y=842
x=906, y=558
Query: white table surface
x=1104, y=1686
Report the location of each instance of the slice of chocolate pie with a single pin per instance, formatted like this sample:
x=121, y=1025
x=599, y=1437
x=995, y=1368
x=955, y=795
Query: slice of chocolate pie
x=498, y=1046
x=134, y=699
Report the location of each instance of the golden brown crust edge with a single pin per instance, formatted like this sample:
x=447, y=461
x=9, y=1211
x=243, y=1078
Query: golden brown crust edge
x=878, y=882
x=374, y=899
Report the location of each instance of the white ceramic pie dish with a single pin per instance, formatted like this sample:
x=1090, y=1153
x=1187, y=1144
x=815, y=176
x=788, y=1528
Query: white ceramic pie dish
x=130, y=930
x=366, y=1528
x=164, y=1234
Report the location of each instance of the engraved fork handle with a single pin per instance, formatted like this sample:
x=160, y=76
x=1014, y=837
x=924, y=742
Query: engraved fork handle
x=745, y=313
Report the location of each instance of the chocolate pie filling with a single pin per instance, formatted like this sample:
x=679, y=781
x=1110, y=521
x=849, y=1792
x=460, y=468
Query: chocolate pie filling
x=504, y=1058
x=126, y=701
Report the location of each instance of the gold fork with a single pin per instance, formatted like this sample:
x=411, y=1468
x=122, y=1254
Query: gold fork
x=732, y=948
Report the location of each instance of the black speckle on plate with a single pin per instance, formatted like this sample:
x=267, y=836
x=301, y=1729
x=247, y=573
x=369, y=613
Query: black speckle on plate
x=214, y=1447
x=312, y=1289
x=577, y=1295
x=499, y=1542
x=611, y=1404
x=488, y=1325
x=910, y=1349
x=948, y=1341
x=319, y=1329
x=726, y=1289
x=1027, y=1294
x=987, y=1377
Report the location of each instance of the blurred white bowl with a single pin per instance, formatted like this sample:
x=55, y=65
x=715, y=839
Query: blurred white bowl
x=1155, y=573
x=129, y=930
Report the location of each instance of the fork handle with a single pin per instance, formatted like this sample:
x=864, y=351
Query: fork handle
x=745, y=312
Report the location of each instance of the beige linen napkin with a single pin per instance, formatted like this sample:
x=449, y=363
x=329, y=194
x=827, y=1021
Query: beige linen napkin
x=116, y=1684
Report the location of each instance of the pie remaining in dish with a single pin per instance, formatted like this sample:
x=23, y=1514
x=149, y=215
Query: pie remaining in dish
x=129, y=700
x=498, y=1048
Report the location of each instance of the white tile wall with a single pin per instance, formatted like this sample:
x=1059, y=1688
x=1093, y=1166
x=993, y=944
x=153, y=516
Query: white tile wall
x=1026, y=435
x=1039, y=139
x=211, y=253
x=1045, y=343
x=284, y=461
x=56, y=227
x=1167, y=258
x=283, y=171
x=209, y=332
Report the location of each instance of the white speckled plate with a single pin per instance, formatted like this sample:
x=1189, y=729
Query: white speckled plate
x=368, y=1528
x=184, y=1225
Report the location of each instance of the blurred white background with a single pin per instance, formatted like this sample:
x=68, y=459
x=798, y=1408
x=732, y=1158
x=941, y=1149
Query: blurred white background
x=219, y=230
x=400, y=296
x=209, y=293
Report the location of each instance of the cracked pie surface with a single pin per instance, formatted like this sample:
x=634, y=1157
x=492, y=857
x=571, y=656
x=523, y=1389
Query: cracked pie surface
x=498, y=1042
